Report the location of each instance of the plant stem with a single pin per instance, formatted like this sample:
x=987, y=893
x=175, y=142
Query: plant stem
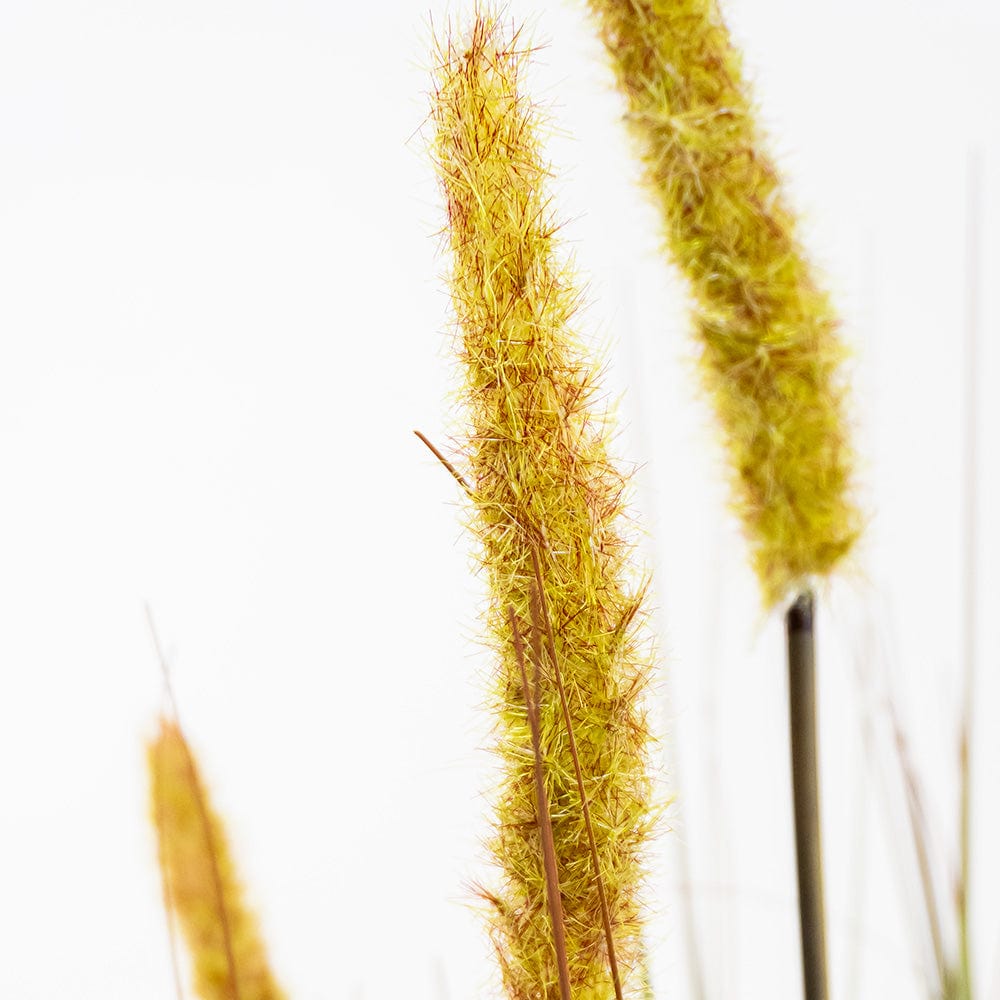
x=971, y=567
x=805, y=792
x=549, y=863
x=581, y=787
x=168, y=901
x=921, y=847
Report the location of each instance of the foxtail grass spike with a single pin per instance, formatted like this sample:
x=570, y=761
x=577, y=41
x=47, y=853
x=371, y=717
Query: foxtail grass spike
x=539, y=479
x=769, y=349
x=228, y=957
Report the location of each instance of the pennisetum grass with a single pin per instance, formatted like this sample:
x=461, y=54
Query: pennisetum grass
x=200, y=886
x=768, y=334
x=547, y=506
x=769, y=351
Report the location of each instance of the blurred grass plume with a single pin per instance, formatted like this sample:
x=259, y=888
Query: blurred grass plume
x=201, y=888
x=770, y=353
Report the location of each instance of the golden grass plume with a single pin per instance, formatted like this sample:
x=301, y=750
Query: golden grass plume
x=547, y=506
x=770, y=352
x=201, y=888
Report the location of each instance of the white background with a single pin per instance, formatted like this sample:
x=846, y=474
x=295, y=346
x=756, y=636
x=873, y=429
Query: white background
x=222, y=314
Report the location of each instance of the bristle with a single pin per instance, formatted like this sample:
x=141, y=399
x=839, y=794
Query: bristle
x=770, y=352
x=200, y=884
x=539, y=476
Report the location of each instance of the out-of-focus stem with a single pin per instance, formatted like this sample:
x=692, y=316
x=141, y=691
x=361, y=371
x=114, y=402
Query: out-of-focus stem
x=970, y=546
x=921, y=847
x=805, y=792
x=158, y=818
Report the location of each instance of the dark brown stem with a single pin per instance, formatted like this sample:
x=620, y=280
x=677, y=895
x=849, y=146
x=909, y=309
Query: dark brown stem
x=584, y=804
x=552, y=894
x=531, y=534
x=459, y=478
x=805, y=792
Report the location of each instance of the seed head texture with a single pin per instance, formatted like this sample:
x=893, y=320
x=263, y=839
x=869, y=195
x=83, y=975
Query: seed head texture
x=770, y=353
x=541, y=483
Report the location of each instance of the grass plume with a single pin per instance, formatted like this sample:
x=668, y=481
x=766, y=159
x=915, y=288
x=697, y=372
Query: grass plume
x=200, y=885
x=770, y=353
x=540, y=481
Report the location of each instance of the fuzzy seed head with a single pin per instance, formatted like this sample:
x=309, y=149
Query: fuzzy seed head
x=200, y=884
x=540, y=479
x=770, y=353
